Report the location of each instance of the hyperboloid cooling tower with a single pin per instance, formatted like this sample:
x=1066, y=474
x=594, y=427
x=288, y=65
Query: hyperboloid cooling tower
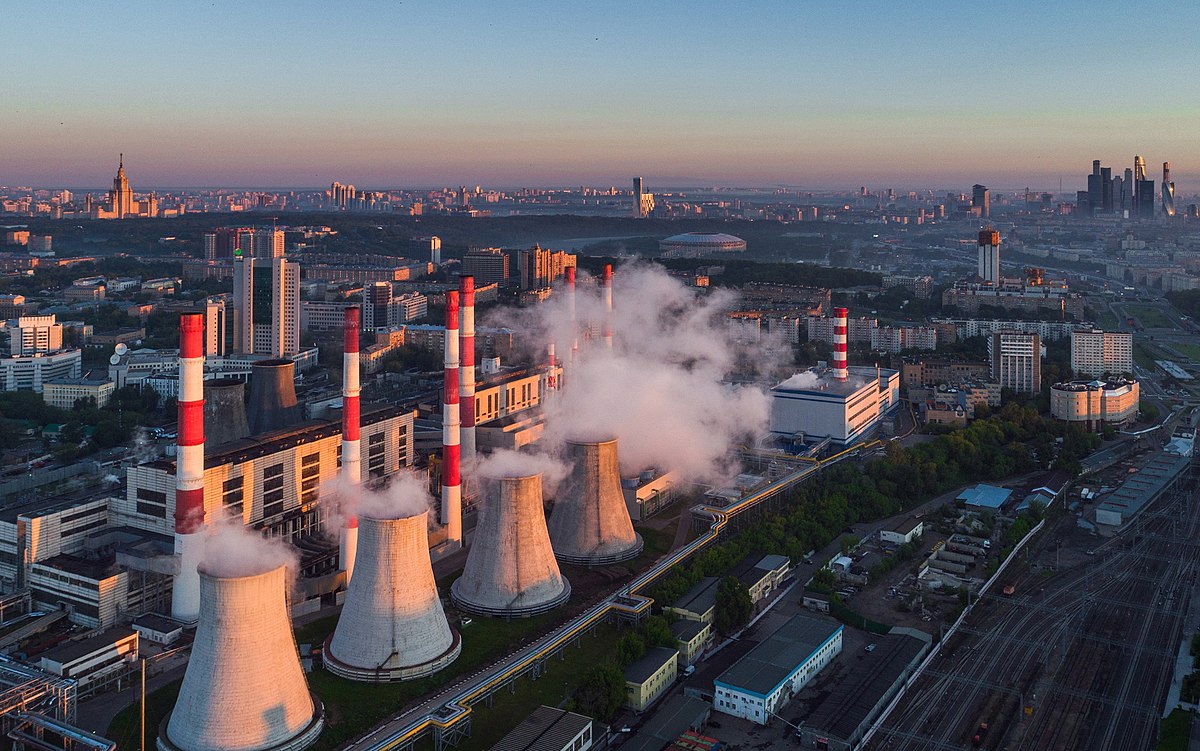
x=511, y=571
x=272, y=395
x=244, y=689
x=392, y=627
x=590, y=524
x=225, y=411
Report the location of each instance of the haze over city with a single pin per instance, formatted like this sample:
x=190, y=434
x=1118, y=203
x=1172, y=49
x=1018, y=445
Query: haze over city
x=813, y=95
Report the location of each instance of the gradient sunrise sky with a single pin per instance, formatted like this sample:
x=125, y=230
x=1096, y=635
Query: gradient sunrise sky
x=802, y=93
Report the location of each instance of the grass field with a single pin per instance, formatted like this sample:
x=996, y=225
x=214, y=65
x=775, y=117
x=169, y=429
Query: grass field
x=1149, y=317
x=1175, y=731
x=1143, y=358
x=1191, y=351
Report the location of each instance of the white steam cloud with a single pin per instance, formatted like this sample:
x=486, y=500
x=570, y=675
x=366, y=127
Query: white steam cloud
x=508, y=463
x=663, y=391
x=231, y=549
x=405, y=494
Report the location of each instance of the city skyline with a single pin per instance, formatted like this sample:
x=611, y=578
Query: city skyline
x=1007, y=95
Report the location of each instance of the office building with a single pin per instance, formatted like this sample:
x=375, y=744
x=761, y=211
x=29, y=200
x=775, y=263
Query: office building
x=285, y=307
x=1168, y=192
x=643, y=202
x=1098, y=353
x=981, y=201
x=64, y=393
x=989, y=257
x=1016, y=361
x=34, y=335
x=214, y=326
x=487, y=265
x=1094, y=404
x=243, y=305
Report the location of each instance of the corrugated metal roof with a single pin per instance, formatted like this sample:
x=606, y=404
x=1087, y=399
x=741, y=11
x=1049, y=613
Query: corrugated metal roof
x=779, y=655
x=547, y=729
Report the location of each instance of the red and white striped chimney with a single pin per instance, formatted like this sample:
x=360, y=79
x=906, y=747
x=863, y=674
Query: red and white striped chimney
x=551, y=378
x=571, y=312
x=189, y=469
x=839, y=344
x=351, y=445
x=606, y=295
x=466, y=385
x=451, y=477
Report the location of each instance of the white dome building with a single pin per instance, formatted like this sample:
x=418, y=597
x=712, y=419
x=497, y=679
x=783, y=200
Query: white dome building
x=699, y=244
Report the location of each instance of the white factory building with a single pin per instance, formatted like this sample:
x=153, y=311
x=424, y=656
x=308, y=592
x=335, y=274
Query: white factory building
x=817, y=405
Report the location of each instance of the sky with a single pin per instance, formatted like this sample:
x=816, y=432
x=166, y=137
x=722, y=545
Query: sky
x=808, y=94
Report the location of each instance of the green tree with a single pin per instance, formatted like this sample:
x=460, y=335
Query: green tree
x=601, y=692
x=630, y=648
x=734, y=606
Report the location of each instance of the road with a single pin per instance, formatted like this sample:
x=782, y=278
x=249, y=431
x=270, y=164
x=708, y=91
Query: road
x=1089, y=648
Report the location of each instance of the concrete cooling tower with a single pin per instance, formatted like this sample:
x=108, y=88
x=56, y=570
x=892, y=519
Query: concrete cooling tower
x=392, y=627
x=272, y=395
x=590, y=523
x=511, y=571
x=244, y=689
x=225, y=411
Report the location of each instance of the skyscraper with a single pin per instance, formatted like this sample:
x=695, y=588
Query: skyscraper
x=989, y=256
x=1168, y=191
x=243, y=305
x=214, y=326
x=643, y=202
x=285, y=307
x=981, y=199
x=1106, y=187
x=1095, y=188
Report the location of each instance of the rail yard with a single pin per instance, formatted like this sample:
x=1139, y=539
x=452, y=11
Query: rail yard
x=1077, y=655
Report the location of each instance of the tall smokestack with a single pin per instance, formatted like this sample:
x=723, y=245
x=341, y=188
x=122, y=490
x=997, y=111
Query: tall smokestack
x=244, y=688
x=392, y=627
x=466, y=385
x=189, y=469
x=551, y=378
x=451, y=479
x=590, y=524
x=511, y=571
x=606, y=294
x=351, y=447
x=571, y=312
x=839, y=344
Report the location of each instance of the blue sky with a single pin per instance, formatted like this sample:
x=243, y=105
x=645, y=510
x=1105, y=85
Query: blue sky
x=811, y=94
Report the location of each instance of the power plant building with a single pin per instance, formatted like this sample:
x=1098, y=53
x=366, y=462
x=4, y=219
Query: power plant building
x=815, y=404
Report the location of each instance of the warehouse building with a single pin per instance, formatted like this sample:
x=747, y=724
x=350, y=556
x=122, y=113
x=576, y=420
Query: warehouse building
x=92, y=662
x=761, y=683
x=549, y=729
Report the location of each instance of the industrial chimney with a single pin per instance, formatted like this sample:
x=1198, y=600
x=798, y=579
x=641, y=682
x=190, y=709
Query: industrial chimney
x=839, y=344
x=511, y=571
x=272, y=396
x=606, y=293
x=466, y=385
x=570, y=271
x=590, y=523
x=189, y=469
x=392, y=627
x=351, y=446
x=451, y=478
x=244, y=689
x=225, y=411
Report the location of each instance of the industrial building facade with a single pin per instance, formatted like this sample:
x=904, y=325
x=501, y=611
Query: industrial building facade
x=843, y=411
x=763, y=681
x=272, y=482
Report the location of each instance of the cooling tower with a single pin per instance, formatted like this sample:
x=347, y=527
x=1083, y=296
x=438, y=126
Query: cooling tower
x=244, y=689
x=590, y=524
x=272, y=396
x=511, y=571
x=225, y=411
x=392, y=627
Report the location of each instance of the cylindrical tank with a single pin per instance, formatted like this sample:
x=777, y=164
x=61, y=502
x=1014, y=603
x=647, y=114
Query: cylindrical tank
x=225, y=411
x=392, y=627
x=272, y=395
x=590, y=523
x=244, y=689
x=511, y=571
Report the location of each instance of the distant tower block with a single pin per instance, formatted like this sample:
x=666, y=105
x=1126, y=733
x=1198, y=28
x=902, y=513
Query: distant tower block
x=244, y=689
x=435, y=251
x=511, y=571
x=590, y=524
x=392, y=627
x=989, y=256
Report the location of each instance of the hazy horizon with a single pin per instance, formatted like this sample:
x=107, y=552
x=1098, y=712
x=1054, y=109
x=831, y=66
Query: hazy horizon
x=297, y=95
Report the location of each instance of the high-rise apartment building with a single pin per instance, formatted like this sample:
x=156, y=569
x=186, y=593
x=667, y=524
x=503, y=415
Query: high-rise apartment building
x=981, y=199
x=1097, y=353
x=243, y=305
x=285, y=307
x=214, y=326
x=263, y=243
x=1016, y=361
x=223, y=242
x=989, y=256
x=533, y=267
x=34, y=335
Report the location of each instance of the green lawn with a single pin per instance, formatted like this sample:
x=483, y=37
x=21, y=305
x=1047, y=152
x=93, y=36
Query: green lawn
x=1176, y=729
x=1149, y=317
x=1189, y=350
x=1106, y=320
x=1143, y=358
